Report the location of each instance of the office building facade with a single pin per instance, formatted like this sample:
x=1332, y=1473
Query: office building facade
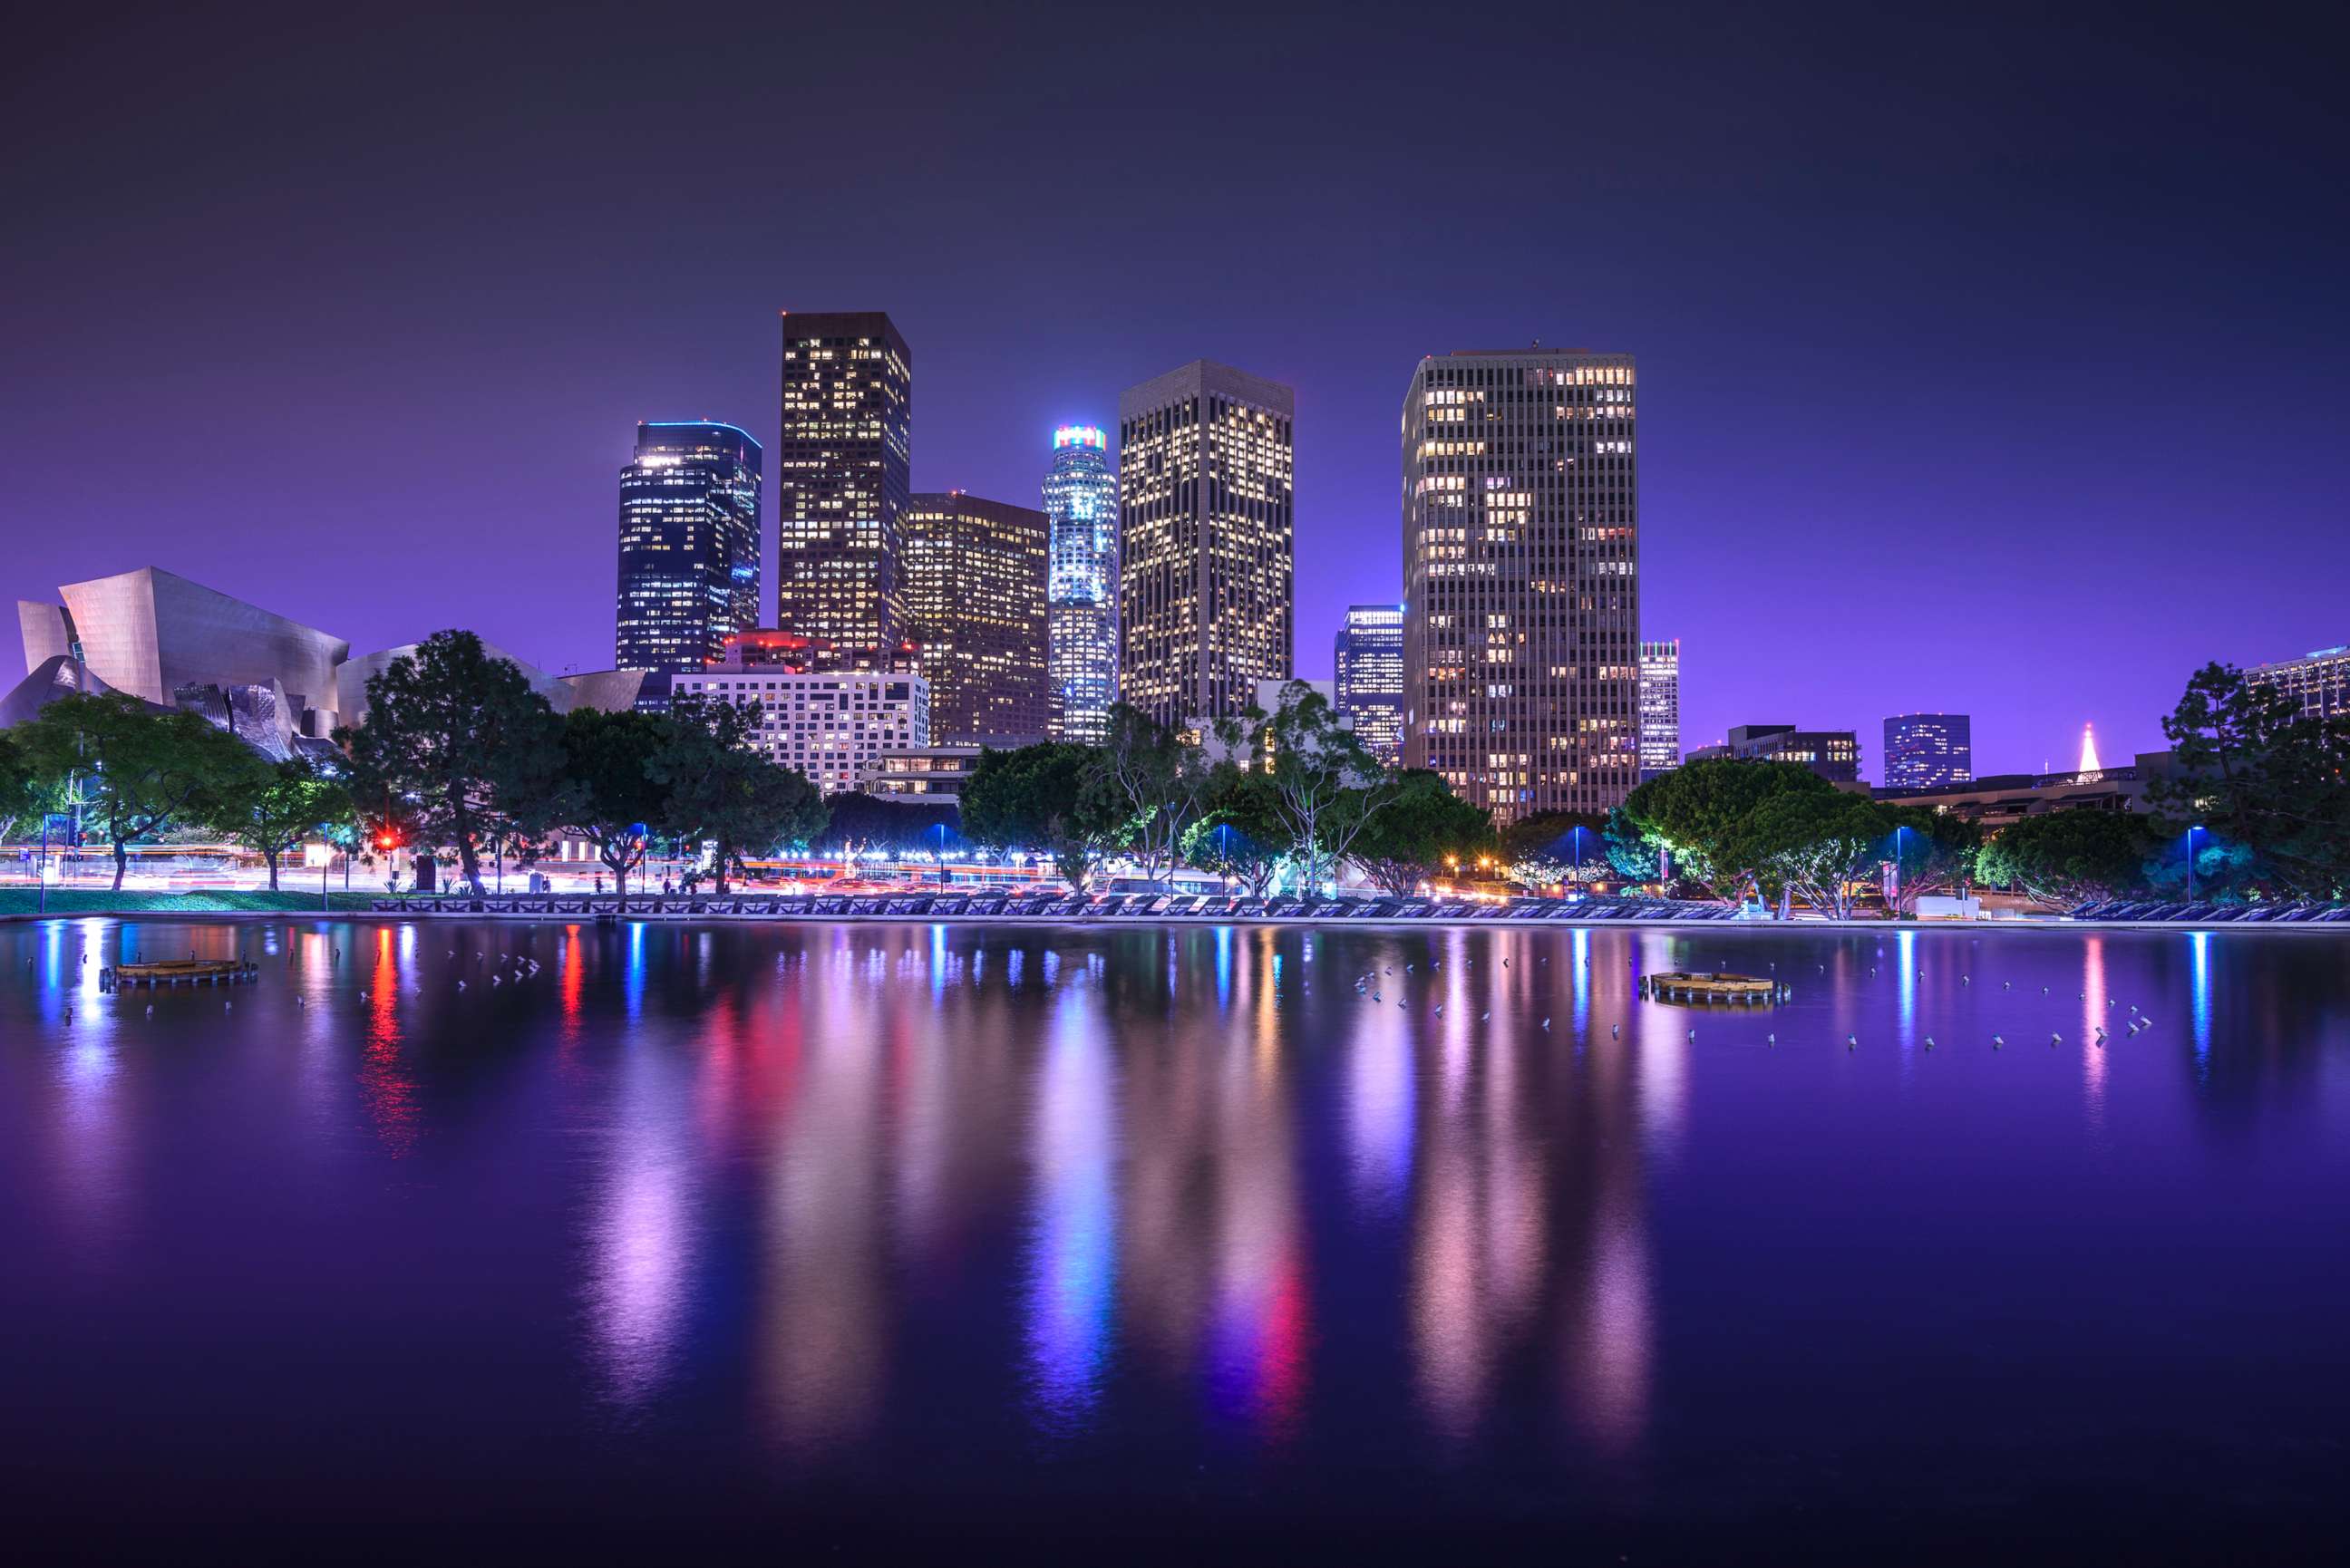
x=1929, y=751
x=1834, y=754
x=974, y=581
x=1368, y=663
x=1081, y=596
x=1206, y=552
x=1522, y=577
x=2319, y=681
x=831, y=726
x=689, y=545
x=844, y=467
x=1660, y=706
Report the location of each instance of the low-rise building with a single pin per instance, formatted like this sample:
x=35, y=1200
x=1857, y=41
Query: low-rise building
x=1834, y=754
x=932, y=772
x=2319, y=681
x=833, y=726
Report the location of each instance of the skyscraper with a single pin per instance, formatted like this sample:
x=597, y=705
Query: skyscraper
x=1368, y=660
x=1925, y=750
x=1660, y=706
x=1081, y=501
x=689, y=545
x=2319, y=681
x=843, y=469
x=974, y=582
x=1522, y=577
x=1206, y=573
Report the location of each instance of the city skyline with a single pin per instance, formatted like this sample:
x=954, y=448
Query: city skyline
x=433, y=337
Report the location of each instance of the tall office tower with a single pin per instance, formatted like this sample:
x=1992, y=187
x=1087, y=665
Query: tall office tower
x=974, y=582
x=1925, y=750
x=1660, y=706
x=1522, y=578
x=689, y=545
x=1368, y=658
x=843, y=469
x=1081, y=500
x=1206, y=572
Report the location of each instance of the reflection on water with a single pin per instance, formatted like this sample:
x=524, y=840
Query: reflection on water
x=1426, y=1200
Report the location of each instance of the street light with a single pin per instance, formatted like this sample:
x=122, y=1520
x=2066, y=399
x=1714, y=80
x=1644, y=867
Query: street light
x=2191, y=860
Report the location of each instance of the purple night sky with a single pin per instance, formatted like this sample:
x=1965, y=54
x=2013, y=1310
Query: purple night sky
x=1989, y=363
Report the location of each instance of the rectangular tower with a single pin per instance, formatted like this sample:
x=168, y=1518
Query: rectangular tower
x=689, y=545
x=974, y=582
x=1660, y=706
x=1368, y=662
x=844, y=467
x=1081, y=593
x=1206, y=574
x=1522, y=577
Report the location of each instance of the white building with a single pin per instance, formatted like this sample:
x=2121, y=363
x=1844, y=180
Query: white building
x=833, y=727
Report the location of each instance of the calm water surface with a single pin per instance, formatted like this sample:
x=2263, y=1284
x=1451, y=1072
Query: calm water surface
x=743, y=1242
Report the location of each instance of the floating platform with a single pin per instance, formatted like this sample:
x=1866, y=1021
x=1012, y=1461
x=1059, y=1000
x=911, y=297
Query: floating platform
x=178, y=972
x=1675, y=986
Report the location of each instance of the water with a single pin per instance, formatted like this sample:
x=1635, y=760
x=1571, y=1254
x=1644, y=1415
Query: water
x=834, y=1236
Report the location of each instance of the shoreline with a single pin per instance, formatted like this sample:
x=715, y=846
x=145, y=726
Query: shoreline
x=1168, y=922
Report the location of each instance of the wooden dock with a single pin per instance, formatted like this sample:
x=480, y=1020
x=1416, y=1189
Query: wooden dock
x=179, y=971
x=1676, y=986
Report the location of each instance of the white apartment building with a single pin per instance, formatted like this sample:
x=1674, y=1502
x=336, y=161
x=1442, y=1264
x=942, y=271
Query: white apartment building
x=832, y=727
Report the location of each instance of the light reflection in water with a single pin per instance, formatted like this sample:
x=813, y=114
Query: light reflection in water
x=2199, y=944
x=1073, y=1258
x=2093, y=1018
x=389, y=1093
x=640, y=1252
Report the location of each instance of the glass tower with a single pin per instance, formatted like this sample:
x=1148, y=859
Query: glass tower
x=844, y=467
x=1924, y=751
x=1081, y=594
x=689, y=545
x=1368, y=662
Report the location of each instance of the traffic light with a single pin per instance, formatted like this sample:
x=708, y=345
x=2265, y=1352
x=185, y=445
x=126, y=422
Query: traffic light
x=387, y=840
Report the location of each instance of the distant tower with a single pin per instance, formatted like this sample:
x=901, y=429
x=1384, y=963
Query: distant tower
x=2089, y=762
x=1660, y=705
x=689, y=545
x=1929, y=751
x=1081, y=594
x=1206, y=572
x=1368, y=659
x=974, y=585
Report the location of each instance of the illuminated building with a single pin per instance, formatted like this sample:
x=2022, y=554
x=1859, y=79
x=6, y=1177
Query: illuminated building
x=1660, y=706
x=689, y=545
x=1205, y=556
x=1081, y=596
x=843, y=469
x=832, y=725
x=1367, y=656
x=1834, y=754
x=938, y=772
x=1929, y=751
x=1522, y=577
x=974, y=583
x=2090, y=765
x=2319, y=681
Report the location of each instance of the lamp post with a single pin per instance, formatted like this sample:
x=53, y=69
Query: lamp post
x=1898, y=832
x=2191, y=831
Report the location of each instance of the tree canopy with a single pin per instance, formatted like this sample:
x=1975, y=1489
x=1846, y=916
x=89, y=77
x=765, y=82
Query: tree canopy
x=610, y=795
x=2263, y=778
x=1706, y=815
x=2060, y=858
x=269, y=807
x=1042, y=796
x=721, y=792
x=1422, y=829
x=457, y=746
x=140, y=771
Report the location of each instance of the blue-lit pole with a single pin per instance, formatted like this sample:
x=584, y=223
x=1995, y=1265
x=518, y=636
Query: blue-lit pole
x=2191, y=860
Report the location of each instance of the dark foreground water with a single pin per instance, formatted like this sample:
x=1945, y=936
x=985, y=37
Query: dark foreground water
x=760, y=1243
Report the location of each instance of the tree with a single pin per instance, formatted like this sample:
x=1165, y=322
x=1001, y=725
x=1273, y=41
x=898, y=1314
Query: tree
x=1817, y=845
x=1552, y=848
x=140, y=770
x=19, y=796
x=1704, y=813
x=1238, y=832
x=1933, y=852
x=1151, y=783
x=1419, y=830
x=1632, y=854
x=2264, y=776
x=893, y=823
x=2060, y=858
x=1327, y=785
x=721, y=792
x=457, y=746
x=610, y=796
x=1036, y=797
x=269, y=807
